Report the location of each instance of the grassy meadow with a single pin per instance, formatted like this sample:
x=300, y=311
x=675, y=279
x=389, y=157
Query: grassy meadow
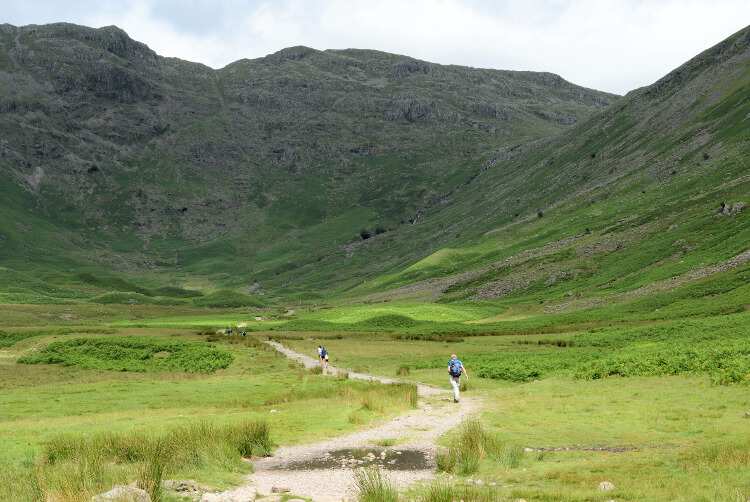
x=84, y=408
x=659, y=408
x=648, y=392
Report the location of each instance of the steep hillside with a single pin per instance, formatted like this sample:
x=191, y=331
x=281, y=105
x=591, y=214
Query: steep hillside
x=115, y=157
x=643, y=205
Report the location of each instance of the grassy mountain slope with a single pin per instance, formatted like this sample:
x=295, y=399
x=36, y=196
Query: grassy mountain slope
x=147, y=165
x=642, y=205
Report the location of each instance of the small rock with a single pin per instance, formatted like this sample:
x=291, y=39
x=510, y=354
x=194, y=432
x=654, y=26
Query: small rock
x=528, y=450
x=520, y=500
x=274, y=411
x=121, y=493
x=183, y=485
x=606, y=486
x=747, y=414
x=479, y=482
x=280, y=489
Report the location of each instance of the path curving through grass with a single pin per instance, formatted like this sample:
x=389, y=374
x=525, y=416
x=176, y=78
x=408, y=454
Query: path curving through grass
x=324, y=471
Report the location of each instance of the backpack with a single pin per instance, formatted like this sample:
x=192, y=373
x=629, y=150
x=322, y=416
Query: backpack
x=455, y=368
x=323, y=352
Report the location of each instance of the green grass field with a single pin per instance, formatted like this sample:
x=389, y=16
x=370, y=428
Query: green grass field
x=124, y=383
x=661, y=410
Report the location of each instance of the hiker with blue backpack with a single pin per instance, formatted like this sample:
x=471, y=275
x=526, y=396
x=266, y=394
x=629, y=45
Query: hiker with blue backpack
x=323, y=356
x=455, y=370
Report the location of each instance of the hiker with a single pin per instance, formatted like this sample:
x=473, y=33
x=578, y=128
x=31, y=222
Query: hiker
x=455, y=370
x=323, y=356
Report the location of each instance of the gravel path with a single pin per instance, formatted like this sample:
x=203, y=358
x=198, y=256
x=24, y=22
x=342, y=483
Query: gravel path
x=415, y=434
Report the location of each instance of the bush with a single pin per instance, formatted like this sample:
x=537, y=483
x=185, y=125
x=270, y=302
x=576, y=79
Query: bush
x=389, y=321
x=726, y=365
x=132, y=354
x=373, y=486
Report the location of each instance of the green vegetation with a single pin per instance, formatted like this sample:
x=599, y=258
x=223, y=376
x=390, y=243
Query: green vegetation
x=68, y=431
x=594, y=278
x=132, y=354
x=228, y=299
x=665, y=437
x=373, y=486
x=76, y=467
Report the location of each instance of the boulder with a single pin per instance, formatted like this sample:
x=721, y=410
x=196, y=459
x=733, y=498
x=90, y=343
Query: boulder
x=606, y=486
x=122, y=493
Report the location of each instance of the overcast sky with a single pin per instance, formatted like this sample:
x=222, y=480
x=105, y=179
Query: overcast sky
x=612, y=45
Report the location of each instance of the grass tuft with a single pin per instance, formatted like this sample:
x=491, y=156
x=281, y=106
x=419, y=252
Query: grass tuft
x=77, y=467
x=373, y=486
x=403, y=371
x=473, y=444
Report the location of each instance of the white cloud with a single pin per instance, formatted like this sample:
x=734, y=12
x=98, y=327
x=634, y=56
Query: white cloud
x=613, y=45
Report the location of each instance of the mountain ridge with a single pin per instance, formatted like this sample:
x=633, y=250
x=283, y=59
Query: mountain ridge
x=377, y=184
x=114, y=144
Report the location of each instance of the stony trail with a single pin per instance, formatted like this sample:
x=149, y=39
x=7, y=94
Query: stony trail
x=324, y=471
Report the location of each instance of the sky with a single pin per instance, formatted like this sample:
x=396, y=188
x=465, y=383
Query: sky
x=610, y=45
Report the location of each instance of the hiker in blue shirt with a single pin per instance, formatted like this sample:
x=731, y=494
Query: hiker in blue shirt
x=323, y=356
x=455, y=370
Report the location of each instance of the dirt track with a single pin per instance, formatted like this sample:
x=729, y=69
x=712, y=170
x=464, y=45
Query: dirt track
x=324, y=471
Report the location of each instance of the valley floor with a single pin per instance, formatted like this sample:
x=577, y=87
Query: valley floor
x=659, y=410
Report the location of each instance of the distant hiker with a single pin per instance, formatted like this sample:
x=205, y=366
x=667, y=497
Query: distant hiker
x=323, y=356
x=455, y=370
x=228, y=331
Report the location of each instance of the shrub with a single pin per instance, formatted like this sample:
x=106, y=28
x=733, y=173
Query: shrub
x=388, y=321
x=373, y=486
x=132, y=354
